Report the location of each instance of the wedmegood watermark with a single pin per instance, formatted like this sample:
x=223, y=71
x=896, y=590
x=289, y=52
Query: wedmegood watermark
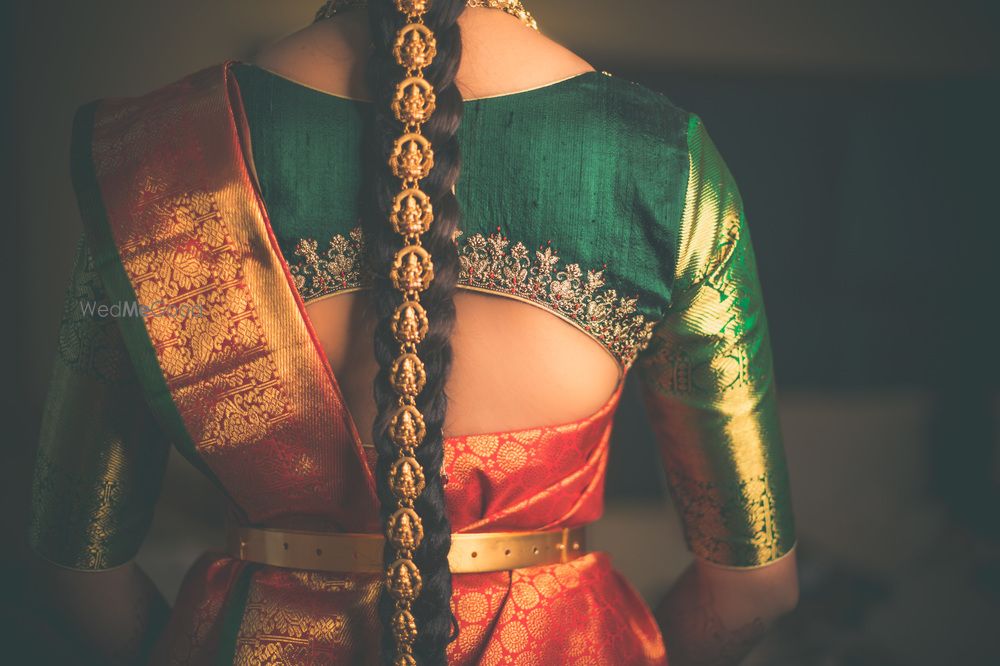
x=130, y=309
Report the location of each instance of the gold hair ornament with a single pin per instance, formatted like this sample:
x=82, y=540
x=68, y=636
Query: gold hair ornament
x=412, y=273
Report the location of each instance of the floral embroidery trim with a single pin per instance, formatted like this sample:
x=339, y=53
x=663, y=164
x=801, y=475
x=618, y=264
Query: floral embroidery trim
x=342, y=265
x=492, y=263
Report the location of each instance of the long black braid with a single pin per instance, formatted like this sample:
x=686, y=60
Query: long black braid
x=434, y=624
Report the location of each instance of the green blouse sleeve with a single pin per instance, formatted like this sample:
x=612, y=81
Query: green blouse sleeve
x=708, y=383
x=101, y=456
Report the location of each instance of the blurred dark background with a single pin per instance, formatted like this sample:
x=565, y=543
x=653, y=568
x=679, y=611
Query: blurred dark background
x=864, y=137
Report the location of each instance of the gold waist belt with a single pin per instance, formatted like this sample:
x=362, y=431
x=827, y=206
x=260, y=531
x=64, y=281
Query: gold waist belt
x=362, y=553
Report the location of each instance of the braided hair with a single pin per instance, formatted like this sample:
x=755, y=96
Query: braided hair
x=410, y=215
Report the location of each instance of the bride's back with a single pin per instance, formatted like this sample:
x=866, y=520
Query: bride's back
x=516, y=365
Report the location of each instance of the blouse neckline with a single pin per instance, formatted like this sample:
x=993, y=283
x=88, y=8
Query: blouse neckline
x=551, y=85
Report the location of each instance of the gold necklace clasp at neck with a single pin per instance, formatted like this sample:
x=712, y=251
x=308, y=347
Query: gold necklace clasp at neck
x=513, y=7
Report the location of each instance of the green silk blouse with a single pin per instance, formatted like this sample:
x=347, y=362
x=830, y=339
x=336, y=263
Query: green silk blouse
x=593, y=198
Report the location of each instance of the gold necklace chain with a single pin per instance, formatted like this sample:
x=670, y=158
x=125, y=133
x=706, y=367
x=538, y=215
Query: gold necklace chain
x=513, y=7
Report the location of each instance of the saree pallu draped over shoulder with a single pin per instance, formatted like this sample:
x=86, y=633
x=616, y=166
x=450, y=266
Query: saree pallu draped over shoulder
x=228, y=361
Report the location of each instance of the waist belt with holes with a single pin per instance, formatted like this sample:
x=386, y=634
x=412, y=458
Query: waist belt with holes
x=470, y=553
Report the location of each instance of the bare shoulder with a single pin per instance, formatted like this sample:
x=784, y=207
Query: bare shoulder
x=328, y=55
x=500, y=54
x=507, y=44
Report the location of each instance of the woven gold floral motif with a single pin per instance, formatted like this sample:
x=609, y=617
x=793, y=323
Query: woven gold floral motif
x=494, y=263
x=199, y=267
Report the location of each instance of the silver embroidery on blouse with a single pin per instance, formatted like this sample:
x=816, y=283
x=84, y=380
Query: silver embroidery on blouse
x=492, y=263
